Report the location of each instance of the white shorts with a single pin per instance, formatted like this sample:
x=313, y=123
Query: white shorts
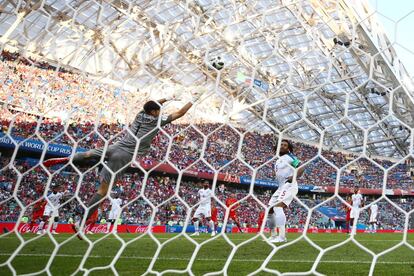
x=284, y=194
x=373, y=217
x=113, y=214
x=203, y=210
x=50, y=211
x=354, y=212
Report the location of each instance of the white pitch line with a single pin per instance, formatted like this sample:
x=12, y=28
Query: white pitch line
x=209, y=259
x=205, y=238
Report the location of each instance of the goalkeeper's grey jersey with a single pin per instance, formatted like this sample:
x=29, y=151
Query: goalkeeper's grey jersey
x=143, y=127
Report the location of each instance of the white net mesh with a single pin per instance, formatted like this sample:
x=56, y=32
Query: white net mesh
x=324, y=75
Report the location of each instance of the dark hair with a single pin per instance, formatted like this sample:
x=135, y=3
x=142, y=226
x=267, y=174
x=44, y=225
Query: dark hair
x=290, y=145
x=151, y=106
x=54, y=185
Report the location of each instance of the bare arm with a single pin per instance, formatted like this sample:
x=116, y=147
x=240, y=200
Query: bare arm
x=299, y=174
x=300, y=171
x=162, y=101
x=180, y=113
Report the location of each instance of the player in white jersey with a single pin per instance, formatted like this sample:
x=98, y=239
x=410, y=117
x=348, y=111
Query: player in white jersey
x=284, y=168
x=116, y=208
x=51, y=209
x=357, y=203
x=204, y=209
x=373, y=214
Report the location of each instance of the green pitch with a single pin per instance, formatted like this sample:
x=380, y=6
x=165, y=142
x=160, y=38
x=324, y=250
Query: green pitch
x=136, y=256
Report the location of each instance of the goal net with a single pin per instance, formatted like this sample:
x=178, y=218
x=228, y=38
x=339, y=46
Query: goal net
x=284, y=143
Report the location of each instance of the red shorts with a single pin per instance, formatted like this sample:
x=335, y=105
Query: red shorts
x=261, y=218
x=233, y=215
x=348, y=216
x=214, y=214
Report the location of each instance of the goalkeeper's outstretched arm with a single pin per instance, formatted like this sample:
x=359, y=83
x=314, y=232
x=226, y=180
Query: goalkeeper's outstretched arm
x=162, y=101
x=180, y=113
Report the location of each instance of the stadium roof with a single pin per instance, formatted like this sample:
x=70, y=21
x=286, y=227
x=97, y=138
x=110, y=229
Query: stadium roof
x=289, y=67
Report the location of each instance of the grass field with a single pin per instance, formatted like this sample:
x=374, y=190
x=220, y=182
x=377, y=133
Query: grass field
x=136, y=256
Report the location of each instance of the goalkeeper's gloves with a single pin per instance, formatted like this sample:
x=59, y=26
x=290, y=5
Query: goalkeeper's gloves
x=198, y=93
x=170, y=98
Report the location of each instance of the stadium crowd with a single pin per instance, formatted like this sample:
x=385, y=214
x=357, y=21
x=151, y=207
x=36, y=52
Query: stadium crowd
x=159, y=196
x=221, y=153
x=29, y=85
x=26, y=84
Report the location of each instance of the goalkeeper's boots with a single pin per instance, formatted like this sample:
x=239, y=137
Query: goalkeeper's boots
x=55, y=161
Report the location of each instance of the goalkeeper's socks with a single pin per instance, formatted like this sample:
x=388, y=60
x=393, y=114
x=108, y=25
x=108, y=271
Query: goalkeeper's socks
x=93, y=206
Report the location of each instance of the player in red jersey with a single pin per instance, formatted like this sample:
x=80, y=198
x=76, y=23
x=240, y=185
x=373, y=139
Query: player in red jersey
x=37, y=213
x=232, y=201
x=214, y=213
x=260, y=220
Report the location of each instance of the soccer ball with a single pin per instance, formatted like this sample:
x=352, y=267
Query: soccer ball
x=217, y=63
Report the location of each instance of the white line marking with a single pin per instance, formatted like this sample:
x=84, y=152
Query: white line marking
x=209, y=259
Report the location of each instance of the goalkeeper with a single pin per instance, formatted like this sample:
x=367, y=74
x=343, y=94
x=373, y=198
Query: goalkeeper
x=119, y=155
